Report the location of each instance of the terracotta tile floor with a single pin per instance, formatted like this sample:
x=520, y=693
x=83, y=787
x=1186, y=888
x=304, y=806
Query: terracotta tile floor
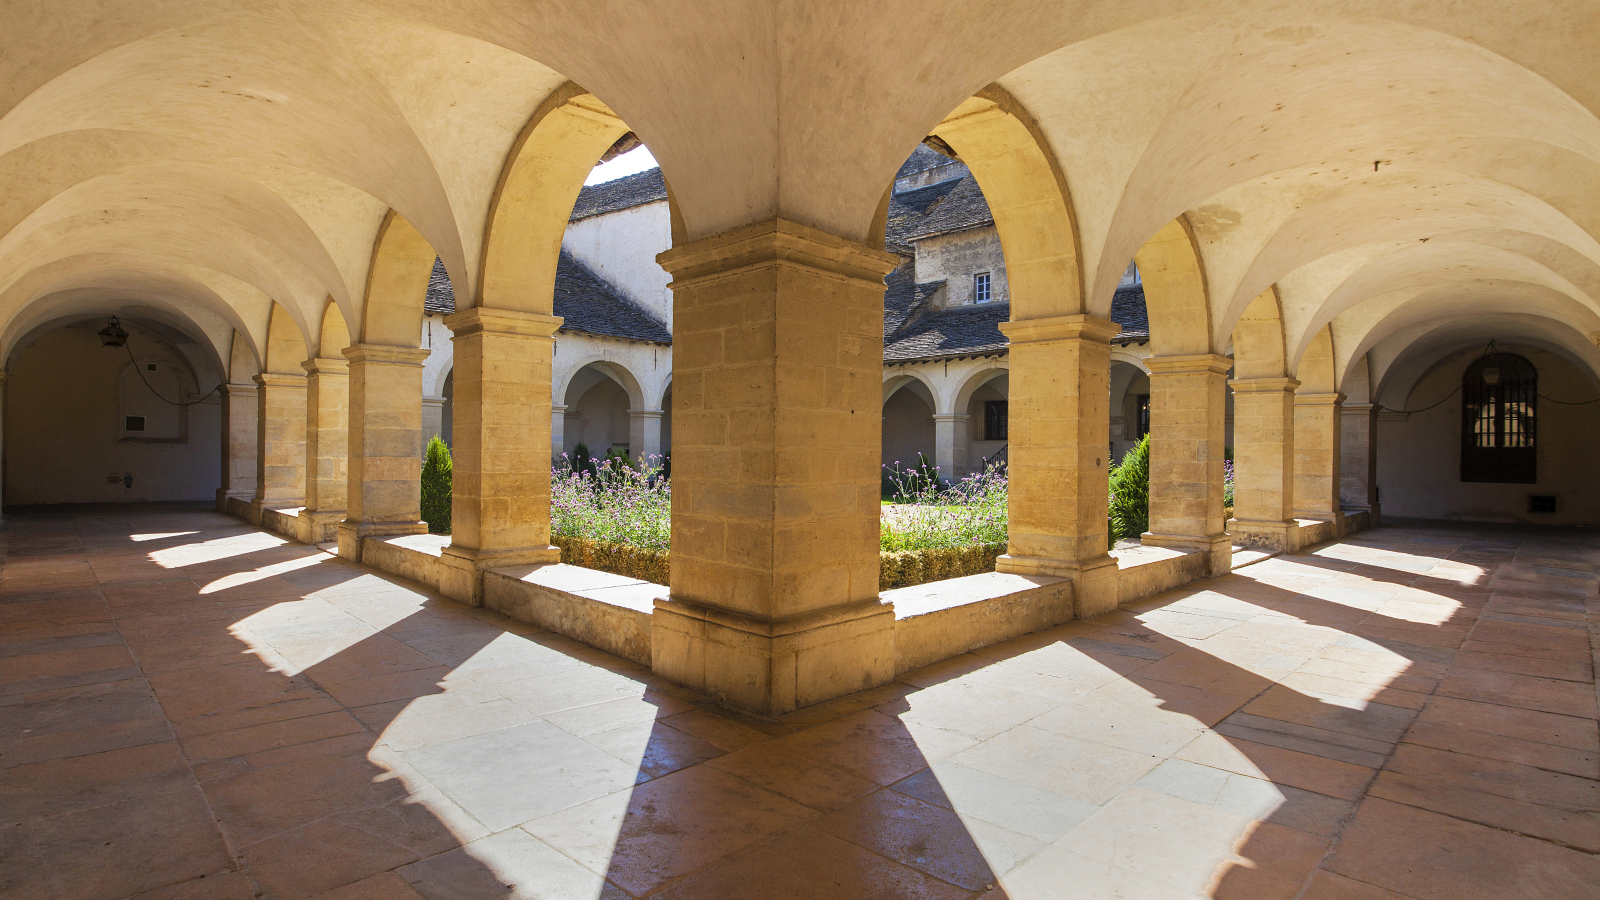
x=195, y=709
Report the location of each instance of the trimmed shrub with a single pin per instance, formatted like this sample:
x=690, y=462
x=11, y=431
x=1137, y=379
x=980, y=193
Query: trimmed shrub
x=905, y=568
x=436, y=474
x=618, y=559
x=1130, y=493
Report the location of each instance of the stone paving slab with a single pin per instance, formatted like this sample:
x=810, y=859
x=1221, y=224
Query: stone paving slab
x=192, y=708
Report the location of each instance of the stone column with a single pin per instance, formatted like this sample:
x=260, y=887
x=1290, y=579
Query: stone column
x=1188, y=438
x=385, y=472
x=1318, y=421
x=327, y=449
x=500, y=489
x=1263, y=463
x=644, y=433
x=432, y=421
x=1358, y=460
x=1059, y=432
x=558, y=431
x=952, y=445
x=777, y=432
x=280, y=444
x=239, y=412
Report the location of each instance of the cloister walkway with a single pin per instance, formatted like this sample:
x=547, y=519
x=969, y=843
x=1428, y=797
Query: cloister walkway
x=192, y=708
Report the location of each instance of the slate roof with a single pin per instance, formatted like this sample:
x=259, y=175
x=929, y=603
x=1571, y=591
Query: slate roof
x=583, y=300
x=620, y=193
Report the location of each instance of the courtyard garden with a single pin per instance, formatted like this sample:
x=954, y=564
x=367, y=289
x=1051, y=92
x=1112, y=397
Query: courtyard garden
x=614, y=514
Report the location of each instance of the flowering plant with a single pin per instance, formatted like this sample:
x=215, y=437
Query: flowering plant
x=611, y=501
x=931, y=514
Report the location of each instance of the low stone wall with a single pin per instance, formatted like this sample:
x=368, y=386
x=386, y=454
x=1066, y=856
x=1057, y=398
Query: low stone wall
x=941, y=620
x=284, y=522
x=413, y=556
x=1146, y=571
x=611, y=612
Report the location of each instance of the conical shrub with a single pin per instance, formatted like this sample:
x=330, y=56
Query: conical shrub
x=1130, y=493
x=436, y=468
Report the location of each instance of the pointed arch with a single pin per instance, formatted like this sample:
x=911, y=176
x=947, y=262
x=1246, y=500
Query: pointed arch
x=397, y=285
x=1258, y=338
x=334, y=335
x=1315, y=370
x=286, y=347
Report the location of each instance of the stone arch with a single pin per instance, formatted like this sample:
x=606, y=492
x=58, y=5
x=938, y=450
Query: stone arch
x=1258, y=346
x=971, y=384
x=334, y=335
x=1174, y=281
x=286, y=347
x=1027, y=194
x=611, y=369
x=1315, y=370
x=894, y=381
x=397, y=285
x=534, y=198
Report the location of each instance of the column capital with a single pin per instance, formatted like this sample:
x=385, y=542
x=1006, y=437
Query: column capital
x=1263, y=385
x=640, y=413
x=1190, y=364
x=483, y=320
x=774, y=242
x=240, y=387
x=952, y=417
x=1060, y=328
x=384, y=354
x=278, y=379
x=1358, y=409
x=326, y=365
x=1318, y=398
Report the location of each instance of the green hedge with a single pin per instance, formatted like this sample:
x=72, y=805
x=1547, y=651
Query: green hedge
x=905, y=568
x=618, y=559
x=900, y=569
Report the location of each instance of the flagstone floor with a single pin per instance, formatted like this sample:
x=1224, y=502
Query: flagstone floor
x=191, y=708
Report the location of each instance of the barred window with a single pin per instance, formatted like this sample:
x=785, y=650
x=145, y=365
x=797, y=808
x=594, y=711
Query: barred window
x=1499, y=398
x=994, y=420
x=980, y=288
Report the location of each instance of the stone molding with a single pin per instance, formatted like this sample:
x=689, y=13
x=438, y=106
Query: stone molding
x=1319, y=398
x=386, y=355
x=633, y=413
x=325, y=365
x=1061, y=328
x=1358, y=409
x=1263, y=385
x=777, y=242
x=241, y=388
x=275, y=379
x=483, y=320
x=1189, y=364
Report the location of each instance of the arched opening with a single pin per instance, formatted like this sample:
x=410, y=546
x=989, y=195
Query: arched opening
x=908, y=428
x=110, y=424
x=447, y=409
x=1130, y=407
x=597, y=415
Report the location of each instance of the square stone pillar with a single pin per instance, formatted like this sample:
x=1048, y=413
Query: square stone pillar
x=500, y=487
x=644, y=433
x=239, y=413
x=1059, y=430
x=327, y=449
x=385, y=472
x=1318, y=423
x=280, y=443
x=952, y=446
x=777, y=433
x=432, y=421
x=558, y=431
x=1188, y=441
x=1263, y=464
x=1358, y=459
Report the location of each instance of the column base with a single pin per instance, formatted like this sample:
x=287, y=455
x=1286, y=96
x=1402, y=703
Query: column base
x=351, y=534
x=1094, y=581
x=1266, y=535
x=773, y=666
x=259, y=506
x=1217, y=547
x=461, y=568
x=318, y=527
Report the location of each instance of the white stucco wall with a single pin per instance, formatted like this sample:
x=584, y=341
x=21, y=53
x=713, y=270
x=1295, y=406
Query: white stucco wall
x=63, y=422
x=956, y=258
x=621, y=248
x=1419, y=455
